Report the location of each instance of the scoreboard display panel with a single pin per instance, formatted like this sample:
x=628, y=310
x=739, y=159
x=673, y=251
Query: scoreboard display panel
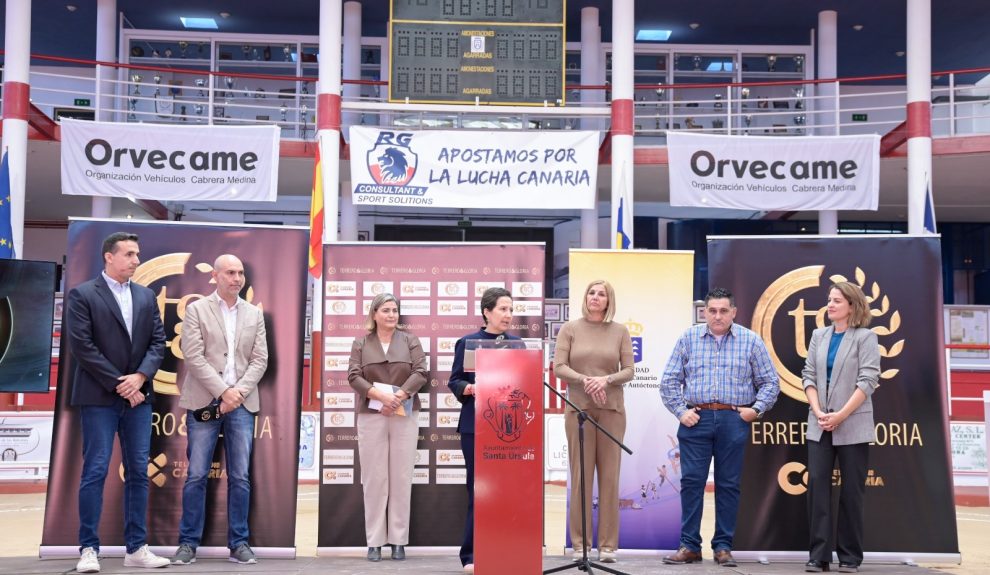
x=489, y=51
x=507, y=11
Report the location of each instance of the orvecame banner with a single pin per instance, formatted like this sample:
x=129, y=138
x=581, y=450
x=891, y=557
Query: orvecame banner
x=774, y=173
x=169, y=162
x=474, y=169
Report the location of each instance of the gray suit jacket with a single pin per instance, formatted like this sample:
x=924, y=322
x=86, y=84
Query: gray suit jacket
x=857, y=365
x=204, y=345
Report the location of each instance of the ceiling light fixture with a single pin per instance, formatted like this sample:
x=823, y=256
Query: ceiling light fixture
x=646, y=35
x=71, y=7
x=225, y=15
x=857, y=27
x=198, y=23
x=899, y=53
x=694, y=25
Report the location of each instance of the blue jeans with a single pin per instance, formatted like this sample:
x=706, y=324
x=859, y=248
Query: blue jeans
x=721, y=434
x=238, y=435
x=99, y=425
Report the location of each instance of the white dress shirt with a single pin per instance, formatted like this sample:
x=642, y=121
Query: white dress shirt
x=230, y=325
x=122, y=293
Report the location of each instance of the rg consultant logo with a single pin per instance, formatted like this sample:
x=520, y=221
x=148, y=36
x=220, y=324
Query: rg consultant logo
x=392, y=162
x=769, y=315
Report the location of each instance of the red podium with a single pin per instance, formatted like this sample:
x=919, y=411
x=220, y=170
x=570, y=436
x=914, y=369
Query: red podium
x=508, y=475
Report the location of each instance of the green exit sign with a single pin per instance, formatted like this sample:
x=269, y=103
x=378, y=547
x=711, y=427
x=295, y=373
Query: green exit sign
x=81, y=102
x=859, y=117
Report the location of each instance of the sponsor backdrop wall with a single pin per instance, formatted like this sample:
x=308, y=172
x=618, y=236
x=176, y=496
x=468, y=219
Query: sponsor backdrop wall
x=176, y=261
x=781, y=288
x=653, y=293
x=439, y=288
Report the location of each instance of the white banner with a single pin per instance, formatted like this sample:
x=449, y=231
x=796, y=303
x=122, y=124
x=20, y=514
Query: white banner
x=474, y=169
x=166, y=162
x=774, y=173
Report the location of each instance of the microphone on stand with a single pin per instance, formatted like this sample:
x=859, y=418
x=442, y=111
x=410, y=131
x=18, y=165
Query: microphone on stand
x=498, y=340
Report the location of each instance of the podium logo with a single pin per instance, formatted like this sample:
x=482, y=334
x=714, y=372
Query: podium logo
x=509, y=412
x=769, y=309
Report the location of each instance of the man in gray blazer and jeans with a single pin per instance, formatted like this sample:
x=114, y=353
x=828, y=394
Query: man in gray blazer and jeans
x=226, y=354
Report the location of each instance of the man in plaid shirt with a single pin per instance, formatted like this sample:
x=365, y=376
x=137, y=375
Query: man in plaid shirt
x=718, y=381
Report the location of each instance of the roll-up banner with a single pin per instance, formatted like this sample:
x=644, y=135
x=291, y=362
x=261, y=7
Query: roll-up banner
x=439, y=289
x=774, y=173
x=176, y=260
x=653, y=298
x=552, y=170
x=165, y=162
x=781, y=286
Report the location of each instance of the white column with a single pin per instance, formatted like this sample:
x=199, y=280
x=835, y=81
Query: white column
x=106, y=51
x=352, y=62
x=622, y=113
x=16, y=101
x=328, y=112
x=591, y=65
x=348, y=214
x=919, y=110
x=828, y=51
x=589, y=228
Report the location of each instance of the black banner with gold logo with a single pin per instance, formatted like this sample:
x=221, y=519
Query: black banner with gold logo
x=781, y=287
x=176, y=260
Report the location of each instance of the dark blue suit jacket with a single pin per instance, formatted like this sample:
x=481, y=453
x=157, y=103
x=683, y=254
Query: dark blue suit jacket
x=101, y=349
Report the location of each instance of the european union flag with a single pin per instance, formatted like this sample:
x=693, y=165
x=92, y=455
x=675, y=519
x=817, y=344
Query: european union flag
x=6, y=231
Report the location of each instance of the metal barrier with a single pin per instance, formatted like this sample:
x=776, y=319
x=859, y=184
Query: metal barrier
x=138, y=93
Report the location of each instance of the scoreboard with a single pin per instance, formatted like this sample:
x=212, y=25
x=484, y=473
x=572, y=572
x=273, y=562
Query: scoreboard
x=490, y=51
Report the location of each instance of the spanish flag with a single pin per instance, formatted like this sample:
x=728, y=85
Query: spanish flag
x=316, y=220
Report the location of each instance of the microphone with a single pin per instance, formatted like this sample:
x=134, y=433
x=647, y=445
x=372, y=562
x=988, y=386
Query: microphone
x=498, y=340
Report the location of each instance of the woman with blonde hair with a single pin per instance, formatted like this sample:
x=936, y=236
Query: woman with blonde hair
x=839, y=377
x=387, y=368
x=594, y=356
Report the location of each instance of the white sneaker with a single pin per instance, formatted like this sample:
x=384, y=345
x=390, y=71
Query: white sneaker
x=606, y=555
x=469, y=568
x=143, y=557
x=88, y=561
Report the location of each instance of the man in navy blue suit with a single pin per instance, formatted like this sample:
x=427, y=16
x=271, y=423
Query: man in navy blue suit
x=117, y=342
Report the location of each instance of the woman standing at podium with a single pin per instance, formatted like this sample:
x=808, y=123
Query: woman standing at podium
x=387, y=368
x=594, y=356
x=496, y=312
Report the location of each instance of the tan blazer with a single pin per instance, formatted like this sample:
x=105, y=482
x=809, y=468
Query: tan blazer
x=404, y=365
x=204, y=345
x=856, y=366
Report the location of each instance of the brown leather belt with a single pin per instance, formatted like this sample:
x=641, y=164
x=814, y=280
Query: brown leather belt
x=716, y=406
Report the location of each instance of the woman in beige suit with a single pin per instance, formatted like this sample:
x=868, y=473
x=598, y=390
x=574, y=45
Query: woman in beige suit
x=839, y=377
x=387, y=368
x=594, y=356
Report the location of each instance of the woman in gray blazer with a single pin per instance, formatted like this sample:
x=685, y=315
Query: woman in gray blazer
x=387, y=369
x=839, y=378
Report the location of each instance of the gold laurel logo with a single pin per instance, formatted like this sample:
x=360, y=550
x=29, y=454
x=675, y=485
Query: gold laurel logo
x=527, y=289
x=801, y=279
x=157, y=269
x=451, y=289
